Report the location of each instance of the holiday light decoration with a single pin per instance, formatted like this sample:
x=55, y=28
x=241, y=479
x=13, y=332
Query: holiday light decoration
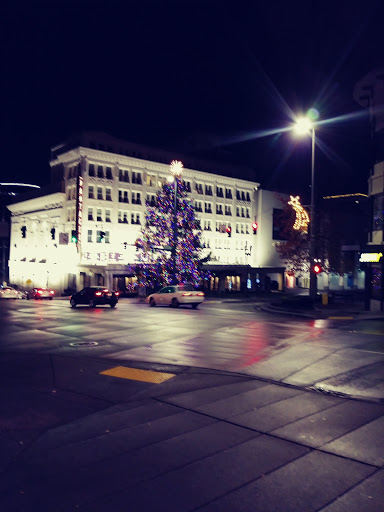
x=176, y=168
x=161, y=243
x=302, y=218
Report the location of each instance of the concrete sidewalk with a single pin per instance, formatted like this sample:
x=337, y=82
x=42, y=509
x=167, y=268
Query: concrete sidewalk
x=75, y=437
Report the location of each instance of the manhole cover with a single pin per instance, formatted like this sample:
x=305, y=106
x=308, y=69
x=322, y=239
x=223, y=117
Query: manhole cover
x=84, y=344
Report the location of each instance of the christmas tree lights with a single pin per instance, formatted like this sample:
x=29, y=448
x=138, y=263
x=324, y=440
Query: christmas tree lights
x=170, y=252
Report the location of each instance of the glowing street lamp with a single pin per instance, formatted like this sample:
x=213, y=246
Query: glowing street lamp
x=305, y=126
x=176, y=169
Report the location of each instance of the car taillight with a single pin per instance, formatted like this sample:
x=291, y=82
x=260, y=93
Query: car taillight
x=201, y=294
x=52, y=292
x=186, y=294
x=117, y=294
x=98, y=294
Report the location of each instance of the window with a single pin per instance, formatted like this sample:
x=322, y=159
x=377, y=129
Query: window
x=277, y=225
x=248, y=198
x=69, y=192
x=228, y=210
x=199, y=188
x=219, y=209
x=99, y=215
x=136, y=198
x=90, y=235
x=135, y=218
x=208, y=207
x=242, y=212
x=136, y=177
x=228, y=193
x=90, y=214
x=237, y=227
x=124, y=175
x=108, y=194
x=107, y=215
x=91, y=192
x=208, y=190
x=219, y=192
x=187, y=186
x=123, y=196
x=207, y=225
x=151, y=180
x=151, y=200
x=198, y=206
x=91, y=170
x=108, y=173
x=122, y=217
x=248, y=215
x=100, y=193
x=237, y=211
x=102, y=237
x=73, y=214
x=378, y=213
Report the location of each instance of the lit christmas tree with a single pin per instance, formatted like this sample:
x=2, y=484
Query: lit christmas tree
x=170, y=242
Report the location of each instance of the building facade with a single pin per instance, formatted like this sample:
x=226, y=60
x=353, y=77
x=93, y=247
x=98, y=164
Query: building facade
x=369, y=93
x=84, y=230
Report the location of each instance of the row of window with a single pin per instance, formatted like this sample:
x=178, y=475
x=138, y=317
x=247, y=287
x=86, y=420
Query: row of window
x=135, y=177
x=104, y=215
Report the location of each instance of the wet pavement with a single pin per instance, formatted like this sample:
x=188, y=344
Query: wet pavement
x=232, y=425
x=74, y=437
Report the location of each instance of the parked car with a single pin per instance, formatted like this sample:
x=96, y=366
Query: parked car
x=7, y=292
x=174, y=295
x=93, y=296
x=40, y=293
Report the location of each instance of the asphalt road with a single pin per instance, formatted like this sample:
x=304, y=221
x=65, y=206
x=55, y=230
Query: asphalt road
x=339, y=355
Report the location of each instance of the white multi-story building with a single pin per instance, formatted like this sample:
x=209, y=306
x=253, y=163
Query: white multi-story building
x=84, y=230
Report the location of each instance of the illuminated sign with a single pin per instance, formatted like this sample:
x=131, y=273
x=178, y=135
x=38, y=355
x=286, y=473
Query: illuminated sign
x=370, y=257
x=104, y=258
x=79, y=216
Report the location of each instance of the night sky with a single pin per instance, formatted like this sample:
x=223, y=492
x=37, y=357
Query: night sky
x=206, y=77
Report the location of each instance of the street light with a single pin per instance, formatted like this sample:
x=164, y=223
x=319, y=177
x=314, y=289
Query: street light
x=304, y=126
x=176, y=169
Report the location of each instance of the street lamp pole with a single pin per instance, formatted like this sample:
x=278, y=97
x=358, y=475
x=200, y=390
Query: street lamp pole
x=312, y=240
x=305, y=126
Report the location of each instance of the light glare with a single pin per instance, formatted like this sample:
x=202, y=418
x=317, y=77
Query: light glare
x=303, y=126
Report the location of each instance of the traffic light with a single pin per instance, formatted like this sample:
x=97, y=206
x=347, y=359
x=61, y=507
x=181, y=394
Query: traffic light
x=53, y=232
x=125, y=245
x=316, y=268
x=24, y=231
x=254, y=227
x=102, y=236
x=74, y=236
x=229, y=231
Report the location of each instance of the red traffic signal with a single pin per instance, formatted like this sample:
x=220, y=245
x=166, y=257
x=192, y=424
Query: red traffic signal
x=254, y=227
x=316, y=268
x=229, y=230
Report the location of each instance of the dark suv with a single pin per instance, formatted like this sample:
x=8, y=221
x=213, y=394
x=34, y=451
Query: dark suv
x=93, y=296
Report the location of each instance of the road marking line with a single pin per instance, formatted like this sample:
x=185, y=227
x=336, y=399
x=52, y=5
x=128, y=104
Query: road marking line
x=123, y=372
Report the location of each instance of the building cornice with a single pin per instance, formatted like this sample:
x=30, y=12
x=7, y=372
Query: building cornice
x=114, y=159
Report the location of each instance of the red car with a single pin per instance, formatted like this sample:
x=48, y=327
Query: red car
x=40, y=293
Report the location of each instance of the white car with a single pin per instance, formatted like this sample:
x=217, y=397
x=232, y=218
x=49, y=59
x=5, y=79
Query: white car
x=10, y=293
x=174, y=295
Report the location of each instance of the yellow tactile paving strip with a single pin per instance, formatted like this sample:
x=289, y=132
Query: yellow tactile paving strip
x=123, y=372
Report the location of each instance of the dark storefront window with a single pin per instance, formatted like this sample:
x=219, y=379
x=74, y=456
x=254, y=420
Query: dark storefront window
x=378, y=213
x=376, y=283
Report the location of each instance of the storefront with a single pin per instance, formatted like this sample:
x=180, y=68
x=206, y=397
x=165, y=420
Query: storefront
x=373, y=262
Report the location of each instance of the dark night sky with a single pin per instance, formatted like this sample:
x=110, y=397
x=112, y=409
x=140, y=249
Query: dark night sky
x=191, y=75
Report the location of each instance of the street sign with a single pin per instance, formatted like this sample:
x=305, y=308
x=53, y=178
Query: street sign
x=63, y=238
